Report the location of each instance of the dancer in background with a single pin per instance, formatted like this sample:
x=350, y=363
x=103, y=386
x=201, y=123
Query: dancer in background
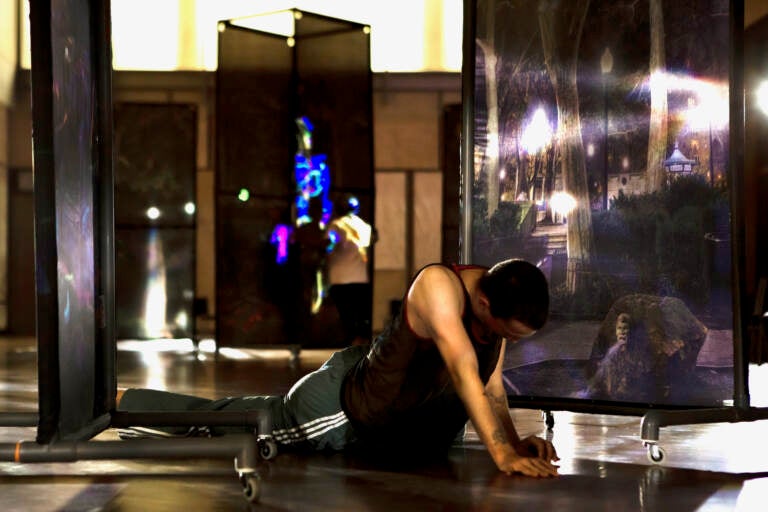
x=348, y=276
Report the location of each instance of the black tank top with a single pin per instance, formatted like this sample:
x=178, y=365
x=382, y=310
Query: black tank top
x=400, y=396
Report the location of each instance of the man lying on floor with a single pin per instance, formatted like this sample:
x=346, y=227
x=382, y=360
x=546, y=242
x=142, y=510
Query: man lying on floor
x=436, y=365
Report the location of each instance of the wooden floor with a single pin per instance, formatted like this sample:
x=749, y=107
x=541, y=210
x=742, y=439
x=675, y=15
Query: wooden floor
x=713, y=467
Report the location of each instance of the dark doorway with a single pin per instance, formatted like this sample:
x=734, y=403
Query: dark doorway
x=21, y=254
x=155, y=221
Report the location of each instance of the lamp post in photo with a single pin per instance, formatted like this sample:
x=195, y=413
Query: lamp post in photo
x=707, y=114
x=711, y=162
x=606, y=65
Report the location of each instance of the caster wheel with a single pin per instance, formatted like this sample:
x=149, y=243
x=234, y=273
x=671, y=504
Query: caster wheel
x=267, y=449
x=656, y=453
x=251, y=487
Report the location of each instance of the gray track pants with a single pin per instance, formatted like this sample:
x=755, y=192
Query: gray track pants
x=308, y=417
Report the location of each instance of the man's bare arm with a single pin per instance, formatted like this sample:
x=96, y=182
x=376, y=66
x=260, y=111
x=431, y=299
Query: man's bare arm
x=436, y=302
x=497, y=396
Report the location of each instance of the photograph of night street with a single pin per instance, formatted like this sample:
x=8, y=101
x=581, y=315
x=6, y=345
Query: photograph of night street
x=601, y=153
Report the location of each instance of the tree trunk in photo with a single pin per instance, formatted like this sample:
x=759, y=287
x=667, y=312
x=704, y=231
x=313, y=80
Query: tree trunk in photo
x=657, y=132
x=519, y=169
x=492, y=148
x=492, y=102
x=530, y=173
x=561, y=25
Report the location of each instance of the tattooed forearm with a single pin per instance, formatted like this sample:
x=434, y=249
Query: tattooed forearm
x=497, y=400
x=506, y=434
x=499, y=437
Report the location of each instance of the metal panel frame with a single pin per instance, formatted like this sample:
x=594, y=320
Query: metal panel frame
x=653, y=417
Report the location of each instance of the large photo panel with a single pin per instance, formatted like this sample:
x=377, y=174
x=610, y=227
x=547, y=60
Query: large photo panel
x=600, y=151
x=71, y=110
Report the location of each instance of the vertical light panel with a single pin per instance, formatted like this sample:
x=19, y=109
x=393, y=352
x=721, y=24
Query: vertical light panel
x=427, y=218
x=25, y=54
x=390, y=221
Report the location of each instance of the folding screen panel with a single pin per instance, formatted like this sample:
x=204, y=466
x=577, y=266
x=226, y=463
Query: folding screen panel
x=280, y=97
x=600, y=147
x=756, y=185
x=71, y=105
x=451, y=160
x=74, y=259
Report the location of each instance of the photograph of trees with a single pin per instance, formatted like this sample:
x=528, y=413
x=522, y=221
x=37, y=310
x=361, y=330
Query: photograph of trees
x=601, y=153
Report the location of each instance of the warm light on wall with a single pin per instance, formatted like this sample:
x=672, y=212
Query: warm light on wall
x=24, y=45
x=397, y=36
x=453, y=27
x=145, y=34
x=8, y=50
x=761, y=95
x=406, y=35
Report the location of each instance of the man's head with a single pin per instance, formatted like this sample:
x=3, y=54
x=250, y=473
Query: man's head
x=517, y=290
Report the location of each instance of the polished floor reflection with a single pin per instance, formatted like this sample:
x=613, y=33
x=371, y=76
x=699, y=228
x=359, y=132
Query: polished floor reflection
x=713, y=467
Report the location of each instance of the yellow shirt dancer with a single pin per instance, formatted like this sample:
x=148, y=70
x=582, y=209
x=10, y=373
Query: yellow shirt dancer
x=348, y=276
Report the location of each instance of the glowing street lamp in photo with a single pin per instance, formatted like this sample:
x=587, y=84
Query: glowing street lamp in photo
x=562, y=203
x=710, y=111
x=708, y=108
x=537, y=133
x=606, y=66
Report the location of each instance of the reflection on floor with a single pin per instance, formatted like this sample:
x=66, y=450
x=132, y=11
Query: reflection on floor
x=712, y=467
